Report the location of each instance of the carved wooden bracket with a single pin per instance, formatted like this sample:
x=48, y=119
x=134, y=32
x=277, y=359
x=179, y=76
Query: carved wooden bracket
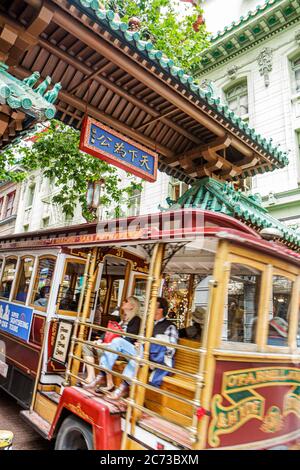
x=15, y=40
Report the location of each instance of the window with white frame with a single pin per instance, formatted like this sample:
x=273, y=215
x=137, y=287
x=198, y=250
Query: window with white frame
x=134, y=203
x=177, y=188
x=30, y=195
x=237, y=99
x=296, y=74
x=1, y=206
x=10, y=204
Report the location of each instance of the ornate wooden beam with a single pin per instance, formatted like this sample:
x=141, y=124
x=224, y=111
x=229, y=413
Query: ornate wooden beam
x=80, y=105
x=116, y=89
x=201, y=151
x=83, y=30
x=15, y=39
x=134, y=68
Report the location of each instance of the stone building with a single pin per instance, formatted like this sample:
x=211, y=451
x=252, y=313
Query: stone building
x=9, y=202
x=253, y=64
x=36, y=209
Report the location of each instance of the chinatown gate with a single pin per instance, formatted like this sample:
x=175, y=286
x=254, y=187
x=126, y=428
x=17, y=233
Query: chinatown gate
x=72, y=58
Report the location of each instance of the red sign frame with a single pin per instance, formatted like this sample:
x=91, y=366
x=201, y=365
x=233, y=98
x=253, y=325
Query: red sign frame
x=91, y=149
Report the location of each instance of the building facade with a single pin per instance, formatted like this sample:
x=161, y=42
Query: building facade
x=253, y=64
x=9, y=203
x=36, y=209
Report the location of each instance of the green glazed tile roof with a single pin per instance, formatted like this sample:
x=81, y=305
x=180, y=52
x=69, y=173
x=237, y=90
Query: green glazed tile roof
x=210, y=194
x=267, y=20
x=34, y=102
x=106, y=18
x=252, y=14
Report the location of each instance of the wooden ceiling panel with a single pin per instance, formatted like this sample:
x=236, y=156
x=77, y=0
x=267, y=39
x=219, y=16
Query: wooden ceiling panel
x=29, y=59
x=120, y=108
x=77, y=79
x=105, y=100
x=124, y=117
x=60, y=38
x=97, y=66
x=41, y=61
x=64, y=73
x=51, y=67
x=113, y=105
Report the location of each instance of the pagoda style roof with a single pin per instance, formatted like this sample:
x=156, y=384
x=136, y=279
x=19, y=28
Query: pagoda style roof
x=209, y=194
x=256, y=26
x=108, y=72
x=23, y=106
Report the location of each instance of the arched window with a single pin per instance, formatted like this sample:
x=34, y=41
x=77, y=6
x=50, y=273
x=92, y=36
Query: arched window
x=71, y=286
x=24, y=277
x=8, y=277
x=237, y=98
x=42, y=283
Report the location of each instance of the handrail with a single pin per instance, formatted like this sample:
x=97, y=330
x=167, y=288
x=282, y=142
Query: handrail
x=138, y=382
x=192, y=432
x=143, y=338
x=139, y=359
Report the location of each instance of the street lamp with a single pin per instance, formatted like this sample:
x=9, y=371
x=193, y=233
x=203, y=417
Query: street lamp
x=93, y=197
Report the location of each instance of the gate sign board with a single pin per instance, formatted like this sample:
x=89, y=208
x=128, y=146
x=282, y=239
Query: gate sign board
x=15, y=319
x=116, y=149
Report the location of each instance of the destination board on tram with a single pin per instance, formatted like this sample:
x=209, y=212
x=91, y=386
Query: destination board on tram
x=118, y=150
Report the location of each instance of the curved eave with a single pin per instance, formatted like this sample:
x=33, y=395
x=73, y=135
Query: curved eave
x=176, y=76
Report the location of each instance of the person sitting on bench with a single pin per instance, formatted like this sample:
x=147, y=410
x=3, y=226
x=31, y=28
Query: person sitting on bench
x=164, y=330
x=121, y=344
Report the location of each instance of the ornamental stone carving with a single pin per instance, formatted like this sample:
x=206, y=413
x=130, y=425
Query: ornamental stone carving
x=297, y=37
x=232, y=72
x=265, y=64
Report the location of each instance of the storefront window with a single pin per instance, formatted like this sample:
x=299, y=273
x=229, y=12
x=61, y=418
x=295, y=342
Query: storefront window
x=280, y=304
x=8, y=277
x=24, y=278
x=43, y=281
x=71, y=286
x=241, y=310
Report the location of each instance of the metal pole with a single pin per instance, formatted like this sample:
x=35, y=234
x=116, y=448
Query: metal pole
x=85, y=313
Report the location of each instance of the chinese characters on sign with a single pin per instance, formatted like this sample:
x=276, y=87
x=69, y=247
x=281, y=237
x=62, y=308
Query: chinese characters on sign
x=15, y=319
x=112, y=147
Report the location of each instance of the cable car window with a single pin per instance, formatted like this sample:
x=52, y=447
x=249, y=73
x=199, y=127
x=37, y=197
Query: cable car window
x=241, y=310
x=8, y=277
x=24, y=278
x=71, y=286
x=42, y=284
x=279, y=311
x=139, y=290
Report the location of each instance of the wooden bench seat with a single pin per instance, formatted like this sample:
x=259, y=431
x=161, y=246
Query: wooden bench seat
x=182, y=386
